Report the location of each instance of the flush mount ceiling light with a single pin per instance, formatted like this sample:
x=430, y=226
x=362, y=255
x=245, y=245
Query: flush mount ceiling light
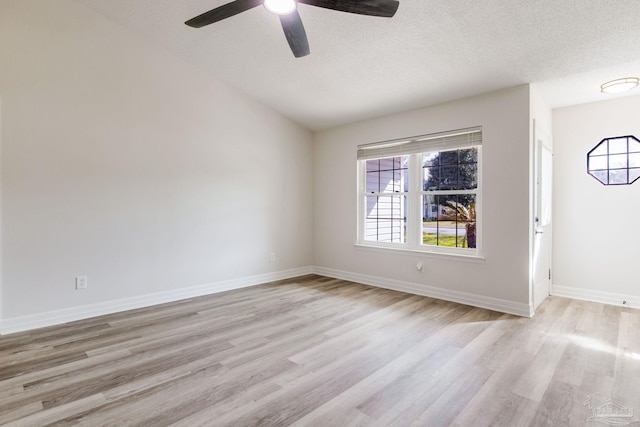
x=280, y=7
x=620, y=85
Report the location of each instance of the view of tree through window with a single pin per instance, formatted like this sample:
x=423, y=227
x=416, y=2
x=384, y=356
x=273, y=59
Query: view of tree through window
x=450, y=179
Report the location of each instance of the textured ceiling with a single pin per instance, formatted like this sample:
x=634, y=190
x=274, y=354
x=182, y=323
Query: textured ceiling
x=432, y=51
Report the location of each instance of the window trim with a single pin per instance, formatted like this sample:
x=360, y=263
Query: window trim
x=437, y=255
x=591, y=156
x=413, y=243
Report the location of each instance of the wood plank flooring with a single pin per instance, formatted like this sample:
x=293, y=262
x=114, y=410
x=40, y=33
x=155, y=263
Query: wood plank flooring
x=315, y=351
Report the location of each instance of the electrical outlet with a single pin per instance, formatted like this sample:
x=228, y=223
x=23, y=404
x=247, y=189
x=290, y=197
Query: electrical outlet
x=81, y=282
x=273, y=256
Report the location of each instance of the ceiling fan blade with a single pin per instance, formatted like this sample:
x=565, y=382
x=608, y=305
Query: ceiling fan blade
x=383, y=8
x=295, y=33
x=222, y=12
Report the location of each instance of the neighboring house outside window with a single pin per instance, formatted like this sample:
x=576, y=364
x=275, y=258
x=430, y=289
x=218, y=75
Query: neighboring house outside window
x=386, y=182
x=422, y=194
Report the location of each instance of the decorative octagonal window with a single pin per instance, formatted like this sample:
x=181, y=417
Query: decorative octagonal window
x=615, y=161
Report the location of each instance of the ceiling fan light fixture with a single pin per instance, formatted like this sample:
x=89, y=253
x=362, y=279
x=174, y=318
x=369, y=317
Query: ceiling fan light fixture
x=289, y=17
x=620, y=85
x=280, y=7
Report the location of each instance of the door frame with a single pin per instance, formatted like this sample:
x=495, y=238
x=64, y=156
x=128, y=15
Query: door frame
x=541, y=140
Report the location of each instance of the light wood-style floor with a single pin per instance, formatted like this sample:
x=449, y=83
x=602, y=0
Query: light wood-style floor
x=323, y=352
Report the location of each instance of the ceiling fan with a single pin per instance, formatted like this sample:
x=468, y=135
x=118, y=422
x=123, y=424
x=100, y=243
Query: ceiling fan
x=289, y=17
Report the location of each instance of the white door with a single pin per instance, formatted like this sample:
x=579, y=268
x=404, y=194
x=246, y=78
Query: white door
x=542, y=219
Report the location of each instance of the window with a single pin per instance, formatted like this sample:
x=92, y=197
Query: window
x=450, y=182
x=421, y=194
x=615, y=161
x=386, y=199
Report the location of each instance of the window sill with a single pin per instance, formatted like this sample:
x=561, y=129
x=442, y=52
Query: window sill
x=477, y=259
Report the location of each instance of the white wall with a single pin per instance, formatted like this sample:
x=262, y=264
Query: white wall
x=125, y=164
x=504, y=275
x=596, y=233
x=540, y=111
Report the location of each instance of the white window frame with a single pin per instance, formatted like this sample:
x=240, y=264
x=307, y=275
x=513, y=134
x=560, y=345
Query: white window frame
x=415, y=148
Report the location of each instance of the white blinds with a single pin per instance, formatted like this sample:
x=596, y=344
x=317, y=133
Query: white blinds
x=435, y=142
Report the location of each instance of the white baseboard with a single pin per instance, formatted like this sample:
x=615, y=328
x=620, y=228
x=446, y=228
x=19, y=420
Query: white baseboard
x=496, y=304
x=25, y=323
x=596, y=296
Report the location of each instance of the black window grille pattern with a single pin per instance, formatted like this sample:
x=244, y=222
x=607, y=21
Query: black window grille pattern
x=451, y=170
x=453, y=222
x=386, y=180
x=615, y=161
x=449, y=219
